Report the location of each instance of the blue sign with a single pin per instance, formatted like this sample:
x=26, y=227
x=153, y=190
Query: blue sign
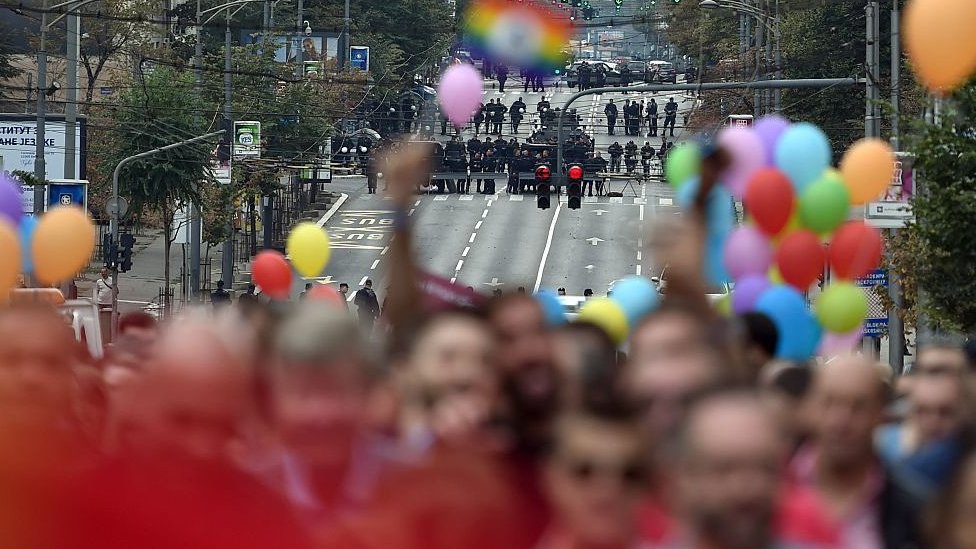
x=876, y=321
x=359, y=57
x=67, y=194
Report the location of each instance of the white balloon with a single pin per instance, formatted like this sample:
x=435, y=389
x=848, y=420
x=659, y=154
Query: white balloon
x=344, y=150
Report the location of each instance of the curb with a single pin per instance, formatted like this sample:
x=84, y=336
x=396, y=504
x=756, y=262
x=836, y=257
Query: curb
x=335, y=207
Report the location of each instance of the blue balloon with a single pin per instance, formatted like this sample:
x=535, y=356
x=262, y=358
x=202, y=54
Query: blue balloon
x=552, y=309
x=799, y=332
x=803, y=153
x=26, y=232
x=637, y=296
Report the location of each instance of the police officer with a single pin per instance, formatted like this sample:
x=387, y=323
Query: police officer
x=627, y=117
x=670, y=114
x=489, y=164
x=515, y=113
x=652, y=118
x=616, y=151
x=477, y=165
x=630, y=156
x=625, y=76
x=647, y=153
x=502, y=77
x=475, y=146
x=542, y=106
x=611, y=112
x=479, y=118
x=600, y=76
x=372, y=172
x=583, y=75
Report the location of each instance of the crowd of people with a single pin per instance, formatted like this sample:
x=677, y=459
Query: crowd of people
x=636, y=113
x=483, y=426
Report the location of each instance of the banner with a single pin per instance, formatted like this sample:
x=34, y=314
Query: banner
x=18, y=134
x=359, y=57
x=247, y=139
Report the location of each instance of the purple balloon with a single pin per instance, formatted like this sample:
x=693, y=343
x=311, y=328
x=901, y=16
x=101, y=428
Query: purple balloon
x=836, y=344
x=11, y=203
x=747, y=252
x=747, y=154
x=769, y=129
x=459, y=93
x=747, y=293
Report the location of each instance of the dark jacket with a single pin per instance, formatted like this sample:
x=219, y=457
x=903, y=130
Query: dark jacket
x=615, y=150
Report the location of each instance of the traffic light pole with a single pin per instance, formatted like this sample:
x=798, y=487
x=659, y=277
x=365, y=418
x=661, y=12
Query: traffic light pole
x=808, y=83
x=114, y=228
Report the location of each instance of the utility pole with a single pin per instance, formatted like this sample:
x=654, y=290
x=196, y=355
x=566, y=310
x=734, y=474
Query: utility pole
x=778, y=93
x=195, y=222
x=760, y=34
x=344, y=43
x=299, y=30
x=73, y=35
x=227, y=267
x=896, y=328
x=40, y=169
x=872, y=122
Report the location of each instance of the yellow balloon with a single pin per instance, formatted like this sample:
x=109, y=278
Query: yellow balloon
x=308, y=249
x=793, y=224
x=604, y=313
x=940, y=37
x=63, y=244
x=10, y=254
x=867, y=169
x=775, y=277
x=724, y=305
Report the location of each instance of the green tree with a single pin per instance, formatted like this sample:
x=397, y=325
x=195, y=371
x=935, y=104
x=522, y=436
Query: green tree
x=158, y=109
x=7, y=70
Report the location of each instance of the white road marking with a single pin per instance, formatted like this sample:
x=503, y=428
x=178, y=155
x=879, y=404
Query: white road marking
x=411, y=211
x=516, y=198
x=465, y=252
x=363, y=281
x=385, y=249
x=375, y=263
x=545, y=251
x=471, y=240
x=417, y=203
x=494, y=283
x=484, y=214
x=478, y=225
x=616, y=200
x=458, y=267
x=467, y=197
x=599, y=212
x=665, y=201
x=134, y=302
x=594, y=240
x=440, y=198
x=489, y=202
x=638, y=270
x=641, y=215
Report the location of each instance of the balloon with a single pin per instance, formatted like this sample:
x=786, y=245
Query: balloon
x=769, y=200
x=270, y=271
x=27, y=227
x=792, y=225
x=824, y=204
x=606, y=314
x=800, y=259
x=460, y=92
x=326, y=294
x=803, y=153
x=637, y=296
x=682, y=163
x=746, y=150
x=841, y=307
x=747, y=293
x=799, y=333
x=10, y=250
x=64, y=240
x=11, y=202
x=940, y=41
x=769, y=129
x=747, y=252
x=775, y=278
x=835, y=344
x=551, y=307
x=724, y=305
x=868, y=168
x=308, y=249
x=855, y=250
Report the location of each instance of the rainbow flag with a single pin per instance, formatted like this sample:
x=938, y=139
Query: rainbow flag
x=530, y=35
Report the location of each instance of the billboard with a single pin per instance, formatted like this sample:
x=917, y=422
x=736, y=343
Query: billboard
x=247, y=139
x=18, y=141
x=894, y=209
x=359, y=57
x=67, y=192
x=315, y=47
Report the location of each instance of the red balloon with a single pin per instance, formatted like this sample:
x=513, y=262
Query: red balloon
x=326, y=294
x=800, y=259
x=855, y=250
x=770, y=199
x=270, y=271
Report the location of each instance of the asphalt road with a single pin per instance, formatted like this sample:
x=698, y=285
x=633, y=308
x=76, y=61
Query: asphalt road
x=503, y=241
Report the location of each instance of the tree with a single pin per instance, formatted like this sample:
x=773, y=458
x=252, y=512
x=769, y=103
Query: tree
x=7, y=70
x=158, y=109
x=943, y=258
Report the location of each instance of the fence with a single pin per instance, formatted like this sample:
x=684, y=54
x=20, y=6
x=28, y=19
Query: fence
x=291, y=199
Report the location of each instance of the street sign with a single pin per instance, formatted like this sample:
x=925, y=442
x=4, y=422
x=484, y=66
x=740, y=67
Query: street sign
x=113, y=205
x=67, y=192
x=894, y=210
x=359, y=57
x=247, y=139
x=876, y=321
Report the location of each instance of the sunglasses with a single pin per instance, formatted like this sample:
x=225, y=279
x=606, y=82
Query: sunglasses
x=630, y=473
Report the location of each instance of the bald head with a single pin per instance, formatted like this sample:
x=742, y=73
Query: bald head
x=846, y=404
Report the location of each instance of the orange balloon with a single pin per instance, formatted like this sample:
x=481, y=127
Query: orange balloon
x=940, y=37
x=63, y=244
x=10, y=262
x=867, y=169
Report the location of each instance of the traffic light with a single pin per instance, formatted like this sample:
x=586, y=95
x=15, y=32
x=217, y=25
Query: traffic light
x=109, y=252
x=574, y=189
x=543, y=174
x=126, y=242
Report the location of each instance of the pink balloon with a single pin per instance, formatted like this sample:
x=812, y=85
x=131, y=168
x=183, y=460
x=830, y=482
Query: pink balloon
x=748, y=156
x=747, y=252
x=836, y=344
x=459, y=93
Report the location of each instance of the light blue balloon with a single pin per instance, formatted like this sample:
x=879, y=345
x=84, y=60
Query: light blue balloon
x=637, y=296
x=25, y=231
x=799, y=332
x=803, y=153
x=552, y=309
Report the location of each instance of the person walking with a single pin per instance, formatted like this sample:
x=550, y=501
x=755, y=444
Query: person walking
x=652, y=118
x=616, y=151
x=502, y=77
x=367, y=304
x=670, y=115
x=611, y=113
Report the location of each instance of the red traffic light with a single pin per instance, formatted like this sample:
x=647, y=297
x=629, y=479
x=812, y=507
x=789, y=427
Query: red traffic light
x=575, y=172
x=543, y=173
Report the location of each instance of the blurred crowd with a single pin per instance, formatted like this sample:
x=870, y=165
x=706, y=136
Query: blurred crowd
x=287, y=425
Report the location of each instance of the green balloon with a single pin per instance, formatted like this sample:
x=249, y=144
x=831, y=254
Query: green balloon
x=824, y=203
x=841, y=307
x=683, y=163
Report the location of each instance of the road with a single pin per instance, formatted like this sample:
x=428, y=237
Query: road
x=502, y=241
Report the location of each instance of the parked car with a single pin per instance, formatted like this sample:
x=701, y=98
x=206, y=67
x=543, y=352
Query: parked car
x=639, y=70
x=662, y=71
